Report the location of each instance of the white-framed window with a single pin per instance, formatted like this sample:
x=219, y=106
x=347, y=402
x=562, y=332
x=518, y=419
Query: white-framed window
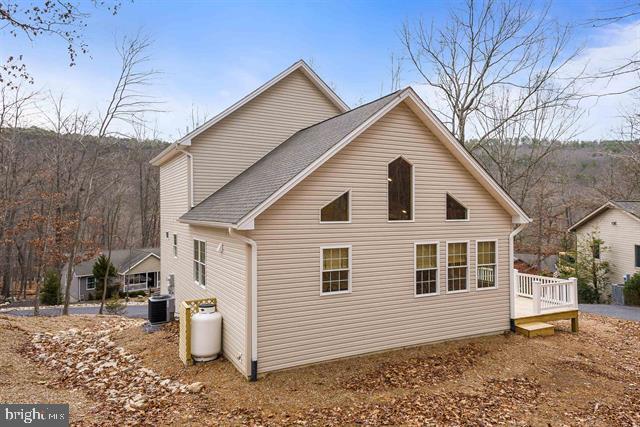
x=91, y=283
x=175, y=245
x=335, y=269
x=426, y=268
x=338, y=210
x=400, y=190
x=200, y=262
x=456, y=211
x=457, y=266
x=166, y=234
x=486, y=264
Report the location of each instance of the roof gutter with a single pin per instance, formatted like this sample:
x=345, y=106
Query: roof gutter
x=254, y=300
x=512, y=270
x=207, y=223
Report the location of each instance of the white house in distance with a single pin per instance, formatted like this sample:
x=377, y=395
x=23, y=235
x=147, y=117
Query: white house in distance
x=137, y=270
x=327, y=232
x=618, y=225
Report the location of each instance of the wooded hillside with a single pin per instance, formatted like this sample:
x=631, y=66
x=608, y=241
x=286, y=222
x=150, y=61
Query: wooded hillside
x=45, y=174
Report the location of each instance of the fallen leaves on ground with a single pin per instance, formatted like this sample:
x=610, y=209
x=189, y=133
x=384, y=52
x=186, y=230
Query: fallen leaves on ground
x=417, y=371
x=89, y=359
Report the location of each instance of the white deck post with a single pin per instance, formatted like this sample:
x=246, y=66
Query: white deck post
x=574, y=291
x=536, y=296
x=514, y=291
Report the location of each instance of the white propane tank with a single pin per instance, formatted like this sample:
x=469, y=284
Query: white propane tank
x=206, y=333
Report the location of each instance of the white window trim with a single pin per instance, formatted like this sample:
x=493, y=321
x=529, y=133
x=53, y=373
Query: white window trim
x=201, y=239
x=447, y=267
x=331, y=201
x=478, y=265
x=174, y=245
x=415, y=267
x=338, y=246
x=95, y=284
x=467, y=219
x=413, y=191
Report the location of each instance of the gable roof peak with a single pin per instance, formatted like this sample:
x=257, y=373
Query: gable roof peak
x=630, y=207
x=243, y=198
x=299, y=65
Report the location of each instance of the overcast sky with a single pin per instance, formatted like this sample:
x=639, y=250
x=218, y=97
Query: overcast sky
x=213, y=53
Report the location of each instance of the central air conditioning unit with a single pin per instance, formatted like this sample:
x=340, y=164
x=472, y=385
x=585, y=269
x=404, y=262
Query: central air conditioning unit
x=161, y=309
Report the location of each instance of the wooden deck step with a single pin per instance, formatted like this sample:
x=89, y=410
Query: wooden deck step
x=535, y=329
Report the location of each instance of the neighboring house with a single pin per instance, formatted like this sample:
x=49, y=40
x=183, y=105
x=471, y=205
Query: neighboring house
x=618, y=225
x=138, y=269
x=326, y=232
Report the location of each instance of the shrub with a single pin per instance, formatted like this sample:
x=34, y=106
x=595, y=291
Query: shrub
x=632, y=290
x=586, y=293
x=115, y=306
x=50, y=292
x=103, y=265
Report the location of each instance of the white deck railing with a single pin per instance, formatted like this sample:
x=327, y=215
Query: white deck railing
x=547, y=293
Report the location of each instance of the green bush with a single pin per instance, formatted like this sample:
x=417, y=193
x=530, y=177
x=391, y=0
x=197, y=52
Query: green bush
x=632, y=290
x=133, y=294
x=586, y=293
x=50, y=292
x=103, y=265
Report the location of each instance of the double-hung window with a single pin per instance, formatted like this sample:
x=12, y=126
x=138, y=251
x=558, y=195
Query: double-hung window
x=199, y=262
x=426, y=266
x=457, y=266
x=91, y=283
x=487, y=264
x=336, y=269
x=175, y=245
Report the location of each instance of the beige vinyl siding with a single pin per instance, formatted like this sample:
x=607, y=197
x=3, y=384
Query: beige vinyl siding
x=620, y=239
x=225, y=271
x=148, y=265
x=173, y=203
x=239, y=140
x=298, y=326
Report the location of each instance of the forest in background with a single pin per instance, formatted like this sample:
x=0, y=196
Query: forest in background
x=44, y=174
x=500, y=75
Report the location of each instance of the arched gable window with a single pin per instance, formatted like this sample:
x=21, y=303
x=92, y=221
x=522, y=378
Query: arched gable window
x=337, y=210
x=456, y=211
x=400, y=190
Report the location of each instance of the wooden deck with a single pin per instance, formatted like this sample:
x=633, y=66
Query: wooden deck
x=524, y=313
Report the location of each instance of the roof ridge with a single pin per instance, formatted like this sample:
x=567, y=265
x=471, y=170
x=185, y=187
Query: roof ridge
x=346, y=112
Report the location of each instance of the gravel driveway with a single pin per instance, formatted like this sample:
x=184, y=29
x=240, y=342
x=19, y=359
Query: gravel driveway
x=618, y=311
x=136, y=311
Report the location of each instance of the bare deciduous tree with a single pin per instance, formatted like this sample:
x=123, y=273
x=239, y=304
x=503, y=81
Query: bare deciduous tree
x=127, y=105
x=62, y=19
x=488, y=47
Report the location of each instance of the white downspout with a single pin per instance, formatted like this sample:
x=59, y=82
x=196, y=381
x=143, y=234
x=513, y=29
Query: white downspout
x=190, y=157
x=512, y=276
x=254, y=300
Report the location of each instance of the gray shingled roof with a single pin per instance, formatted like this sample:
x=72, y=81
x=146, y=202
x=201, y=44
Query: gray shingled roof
x=631, y=206
x=253, y=186
x=122, y=260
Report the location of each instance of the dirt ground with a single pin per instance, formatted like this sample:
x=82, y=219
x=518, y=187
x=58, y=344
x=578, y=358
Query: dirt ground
x=590, y=378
